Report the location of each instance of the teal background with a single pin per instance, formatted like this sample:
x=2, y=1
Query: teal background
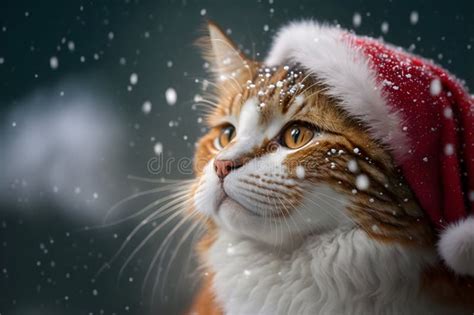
x=69, y=134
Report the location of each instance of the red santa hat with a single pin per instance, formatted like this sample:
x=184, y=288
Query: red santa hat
x=422, y=113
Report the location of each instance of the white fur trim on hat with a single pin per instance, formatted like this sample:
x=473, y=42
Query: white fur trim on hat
x=456, y=246
x=324, y=51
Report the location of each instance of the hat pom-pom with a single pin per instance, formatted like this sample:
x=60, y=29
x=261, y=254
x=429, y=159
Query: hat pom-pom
x=456, y=246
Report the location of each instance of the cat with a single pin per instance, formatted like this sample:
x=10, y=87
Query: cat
x=305, y=212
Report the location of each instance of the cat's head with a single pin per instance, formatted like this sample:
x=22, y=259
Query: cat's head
x=282, y=160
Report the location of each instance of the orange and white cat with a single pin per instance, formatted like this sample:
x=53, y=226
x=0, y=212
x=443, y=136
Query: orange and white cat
x=306, y=213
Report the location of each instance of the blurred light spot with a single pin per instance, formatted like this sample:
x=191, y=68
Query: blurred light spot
x=54, y=62
x=171, y=96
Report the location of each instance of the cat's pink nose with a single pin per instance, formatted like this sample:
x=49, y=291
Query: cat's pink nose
x=224, y=167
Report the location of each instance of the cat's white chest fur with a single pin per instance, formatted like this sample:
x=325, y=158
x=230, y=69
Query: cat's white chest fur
x=342, y=272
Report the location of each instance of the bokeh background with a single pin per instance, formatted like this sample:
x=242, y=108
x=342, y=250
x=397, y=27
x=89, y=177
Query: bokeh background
x=91, y=91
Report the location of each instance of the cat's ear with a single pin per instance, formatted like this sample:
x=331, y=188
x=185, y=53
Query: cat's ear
x=224, y=58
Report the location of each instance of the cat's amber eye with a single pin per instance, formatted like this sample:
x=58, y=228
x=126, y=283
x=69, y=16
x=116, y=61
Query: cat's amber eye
x=296, y=136
x=226, y=136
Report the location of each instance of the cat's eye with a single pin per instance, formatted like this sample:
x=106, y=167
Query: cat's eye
x=226, y=135
x=296, y=136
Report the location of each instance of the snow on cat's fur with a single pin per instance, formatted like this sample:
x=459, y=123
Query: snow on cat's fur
x=346, y=71
x=290, y=229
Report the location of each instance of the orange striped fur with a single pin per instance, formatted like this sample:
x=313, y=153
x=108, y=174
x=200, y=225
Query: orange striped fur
x=386, y=210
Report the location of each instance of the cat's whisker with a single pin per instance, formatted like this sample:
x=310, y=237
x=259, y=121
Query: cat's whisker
x=332, y=206
x=320, y=90
x=147, y=238
x=300, y=92
x=165, y=243
x=205, y=111
x=183, y=239
x=166, y=208
x=161, y=180
x=160, y=253
x=239, y=86
x=155, y=203
x=176, y=209
x=277, y=234
x=213, y=84
x=204, y=108
x=316, y=202
x=266, y=216
x=309, y=74
x=280, y=211
x=306, y=208
x=139, y=194
x=298, y=211
x=307, y=89
x=204, y=102
x=285, y=216
x=352, y=205
x=119, y=221
x=196, y=236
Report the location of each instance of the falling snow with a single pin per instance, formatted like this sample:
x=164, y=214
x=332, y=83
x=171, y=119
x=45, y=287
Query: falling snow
x=133, y=78
x=362, y=182
x=123, y=48
x=300, y=172
x=230, y=250
x=449, y=149
x=146, y=107
x=352, y=166
x=414, y=17
x=435, y=87
x=171, y=96
x=71, y=46
x=448, y=112
x=197, y=98
x=158, y=148
x=54, y=62
x=375, y=228
x=357, y=19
